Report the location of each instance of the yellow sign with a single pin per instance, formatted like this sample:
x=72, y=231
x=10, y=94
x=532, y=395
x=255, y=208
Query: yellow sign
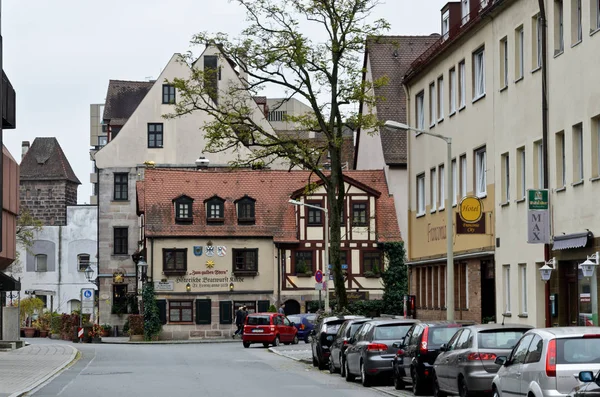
x=471, y=209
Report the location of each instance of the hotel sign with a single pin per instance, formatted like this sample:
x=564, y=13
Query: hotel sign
x=470, y=219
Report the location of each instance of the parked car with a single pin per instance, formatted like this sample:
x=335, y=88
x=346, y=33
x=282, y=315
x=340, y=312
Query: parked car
x=269, y=328
x=467, y=363
x=304, y=324
x=590, y=386
x=547, y=361
x=322, y=337
x=371, y=350
x=340, y=343
x=416, y=353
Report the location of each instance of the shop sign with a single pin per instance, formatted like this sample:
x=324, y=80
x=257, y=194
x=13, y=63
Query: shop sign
x=164, y=286
x=470, y=209
x=537, y=199
x=353, y=295
x=538, y=227
x=209, y=279
x=463, y=227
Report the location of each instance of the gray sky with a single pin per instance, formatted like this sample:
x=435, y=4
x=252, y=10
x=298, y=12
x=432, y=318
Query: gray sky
x=60, y=54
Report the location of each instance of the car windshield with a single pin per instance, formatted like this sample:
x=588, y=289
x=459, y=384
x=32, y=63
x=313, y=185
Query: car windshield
x=440, y=335
x=354, y=327
x=295, y=319
x=499, y=338
x=390, y=332
x=578, y=350
x=259, y=320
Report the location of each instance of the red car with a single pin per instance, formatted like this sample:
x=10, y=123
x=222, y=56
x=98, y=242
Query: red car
x=269, y=329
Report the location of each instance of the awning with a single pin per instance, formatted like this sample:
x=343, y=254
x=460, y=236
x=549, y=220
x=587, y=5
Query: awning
x=570, y=241
x=7, y=283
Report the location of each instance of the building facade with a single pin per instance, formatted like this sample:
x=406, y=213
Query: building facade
x=216, y=240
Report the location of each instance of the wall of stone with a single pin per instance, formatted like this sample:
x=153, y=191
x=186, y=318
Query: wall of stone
x=48, y=200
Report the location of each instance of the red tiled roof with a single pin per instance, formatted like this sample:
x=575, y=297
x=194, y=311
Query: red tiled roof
x=274, y=215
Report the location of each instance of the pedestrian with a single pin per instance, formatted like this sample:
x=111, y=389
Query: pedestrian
x=239, y=321
x=282, y=308
x=245, y=314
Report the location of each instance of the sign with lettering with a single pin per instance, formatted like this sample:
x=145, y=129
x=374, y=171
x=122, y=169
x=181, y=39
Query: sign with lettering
x=463, y=227
x=164, y=286
x=537, y=199
x=209, y=279
x=538, y=227
x=353, y=295
x=470, y=209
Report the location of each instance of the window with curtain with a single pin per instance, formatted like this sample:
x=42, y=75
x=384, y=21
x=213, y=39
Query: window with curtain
x=506, y=274
x=440, y=98
x=523, y=282
x=433, y=189
x=462, y=84
x=559, y=30
x=578, y=153
x=452, y=78
x=463, y=176
x=561, y=177
x=454, y=183
x=420, y=194
x=420, y=108
x=465, y=11
x=442, y=178
x=519, y=52
x=432, y=117
x=504, y=62
x=522, y=172
x=505, y=166
x=445, y=24
x=480, y=173
x=478, y=73
x=538, y=41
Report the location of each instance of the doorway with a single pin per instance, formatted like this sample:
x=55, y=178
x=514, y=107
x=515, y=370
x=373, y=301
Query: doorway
x=488, y=291
x=291, y=307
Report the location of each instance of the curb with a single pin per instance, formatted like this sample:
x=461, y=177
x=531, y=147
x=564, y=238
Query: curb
x=51, y=375
x=395, y=393
x=302, y=360
x=172, y=342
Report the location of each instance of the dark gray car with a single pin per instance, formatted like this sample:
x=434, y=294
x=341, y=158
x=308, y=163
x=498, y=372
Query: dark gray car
x=370, y=352
x=466, y=363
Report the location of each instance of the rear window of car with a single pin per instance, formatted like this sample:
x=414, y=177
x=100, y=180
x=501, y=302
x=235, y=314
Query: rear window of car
x=295, y=319
x=440, y=335
x=312, y=318
x=259, y=320
x=391, y=332
x=578, y=350
x=333, y=327
x=499, y=338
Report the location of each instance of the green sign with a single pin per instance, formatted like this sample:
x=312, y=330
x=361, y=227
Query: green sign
x=537, y=199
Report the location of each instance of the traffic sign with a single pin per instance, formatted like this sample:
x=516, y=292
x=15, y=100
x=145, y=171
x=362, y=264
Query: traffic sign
x=344, y=266
x=318, y=287
x=319, y=276
x=80, y=333
x=87, y=301
x=88, y=294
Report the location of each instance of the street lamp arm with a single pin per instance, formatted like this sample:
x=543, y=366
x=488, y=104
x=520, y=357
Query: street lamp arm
x=296, y=202
x=399, y=126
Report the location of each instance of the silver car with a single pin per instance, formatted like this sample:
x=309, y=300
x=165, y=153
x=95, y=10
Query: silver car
x=546, y=362
x=467, y=363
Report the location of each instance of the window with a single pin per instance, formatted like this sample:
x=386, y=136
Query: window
x=121, y=186
x=534, y=353
x=504, y=63
x=442, y=179
x=465, y=11
x=454, y=183
x=168, y=94
x=519, y=53
x=445, y=24
x=480, y=173
x=536, y=42
x=41, y=263
x=440, y=98
x=433, y=189
x=303, y=262
x=506, y=275
x=452, y=77
x=523, y=287
x=578, y=153
x=479, y=73
x=215, y=209
x=519, y=352
x=315, y=216
x=576, y=29
x=538, y=155
x=596, y=146
x=359, y=214
x=561, y=175
x=120, y=241
x=463, y=176
x=180, y=311
x=432, y=105
x=521, y=185
x=245, y=260
x=595, y=15
x=155, y=135
x=277, y=115
x=83, y=261
x=102, y=141
x=372, y=262
x=211, y=77
x=420, y=194
x=245, y=210
x=184, y=209
x=462, y=85
x=559, y=30
x=505, y=177
x=119, y=299
x=420, y=109
x=174, y=260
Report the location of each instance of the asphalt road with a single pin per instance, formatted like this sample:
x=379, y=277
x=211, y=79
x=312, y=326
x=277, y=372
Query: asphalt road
x=207, y=370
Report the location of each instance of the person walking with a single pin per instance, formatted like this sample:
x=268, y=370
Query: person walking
x=239, y=321
x=282, y=309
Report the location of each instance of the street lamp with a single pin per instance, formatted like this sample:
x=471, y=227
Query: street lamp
x=326, y=254
x=143, y=268
x=449, y=230
x=89, y=273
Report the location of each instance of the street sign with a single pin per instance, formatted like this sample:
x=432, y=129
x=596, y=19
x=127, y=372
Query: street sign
x=344, y=266
x=319, y=287
x=319, y=276
x=329, y=266
x=537, y=199
x=87, y=301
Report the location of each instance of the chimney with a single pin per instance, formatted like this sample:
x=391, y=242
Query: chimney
x=24, y=149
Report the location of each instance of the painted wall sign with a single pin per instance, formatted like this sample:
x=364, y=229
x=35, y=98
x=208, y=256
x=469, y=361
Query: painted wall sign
x=210, y=250
x=198, y=250
x=538, y=227
x=209, y=279
x=221, y=250
x=463, y=227
x=164, y=285
x=470, y=209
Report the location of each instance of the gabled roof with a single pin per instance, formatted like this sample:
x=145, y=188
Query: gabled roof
x=392, y=56
x=275, y=216
x=122, y=98
x=45, y=160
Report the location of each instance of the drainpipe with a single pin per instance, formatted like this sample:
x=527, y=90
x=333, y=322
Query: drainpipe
x=280, y=262
x=544, y=23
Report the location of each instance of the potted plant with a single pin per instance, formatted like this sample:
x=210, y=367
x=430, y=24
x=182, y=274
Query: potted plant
x=43, y=324
x=136, y=327
x=94, y=333
x=373, y=273
x=302, y=269
x=55, y=325
x=28, y=307
x=106, y=328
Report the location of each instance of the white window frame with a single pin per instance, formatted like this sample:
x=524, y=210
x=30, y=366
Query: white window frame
x=504, y=60
x=480, y=172
x=445, y=25
x=520, y=52
x=454, y=183
x=523, y=173
x=479, y=73
x=433, y=189
x=442, y=189
x=432, y=105
x=538, y=33
x=506, y=279
x=440, y=98
x=465, y=11
x=462, y=85
x=452, y=78
x=37, y=266
x=523, y=289
x=420, y=194
x=463, y=176
x=578, y=152
x=420, y=108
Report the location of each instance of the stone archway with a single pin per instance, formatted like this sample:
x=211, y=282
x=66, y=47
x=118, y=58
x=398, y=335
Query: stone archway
x=292, y=307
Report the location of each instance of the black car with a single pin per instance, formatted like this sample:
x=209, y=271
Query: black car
x=340, y=343
x=370, y=352
x=413, y=362
x=322, y=337
x=590, y=386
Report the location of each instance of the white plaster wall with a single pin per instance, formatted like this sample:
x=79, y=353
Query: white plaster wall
x=292, y=106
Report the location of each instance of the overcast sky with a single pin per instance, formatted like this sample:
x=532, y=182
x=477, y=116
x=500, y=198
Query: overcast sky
x=60, y=54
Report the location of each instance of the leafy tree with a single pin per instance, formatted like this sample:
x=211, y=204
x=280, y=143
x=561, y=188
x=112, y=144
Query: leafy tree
x=276, y=50
x=395, y=278
x=152, y=325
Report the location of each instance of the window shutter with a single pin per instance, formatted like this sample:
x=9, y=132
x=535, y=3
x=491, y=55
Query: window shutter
x=203, y=311
x=263, y=306
x=162, y=310
x=225, y=312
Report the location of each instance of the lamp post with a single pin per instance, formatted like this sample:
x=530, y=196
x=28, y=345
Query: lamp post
x=449, y=229
x=587, y=269
x=326, y=253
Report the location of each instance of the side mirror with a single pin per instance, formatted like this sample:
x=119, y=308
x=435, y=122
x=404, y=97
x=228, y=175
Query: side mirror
x=293, y=324
x=586, y=376
x=396, y=345
x=443, y=347
x=312, y=332
x=351, y=341
x=500, y=360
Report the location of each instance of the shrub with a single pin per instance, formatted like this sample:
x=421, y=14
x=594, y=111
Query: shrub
x=272, y=309
x=136, y=324
x=152, y=325
x=55, y=323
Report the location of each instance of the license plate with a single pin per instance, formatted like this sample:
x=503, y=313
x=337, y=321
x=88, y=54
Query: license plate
x=258, y=330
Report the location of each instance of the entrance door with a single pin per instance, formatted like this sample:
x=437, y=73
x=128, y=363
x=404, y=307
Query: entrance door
x=488, y=290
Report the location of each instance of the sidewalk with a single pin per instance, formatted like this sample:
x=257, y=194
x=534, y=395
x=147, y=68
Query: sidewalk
x=24, y=369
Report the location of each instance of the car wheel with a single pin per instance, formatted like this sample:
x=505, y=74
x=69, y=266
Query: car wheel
x=398, y=382
x=322, y=364
x=265, y=344
x=436, y=388
x=306, y=339
x=495, y=392
x=342, y=367
x=349, y=376
x=315, y=362
x=416, y=383
x=276, y=341
x=364, y=378
x=463, y=390
x=295, y=341
x=246, y=344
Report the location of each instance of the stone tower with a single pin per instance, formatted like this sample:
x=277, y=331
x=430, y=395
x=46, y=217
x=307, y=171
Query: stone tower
x=48, y=183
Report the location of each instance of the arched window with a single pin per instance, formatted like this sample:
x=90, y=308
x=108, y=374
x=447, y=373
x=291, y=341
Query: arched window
x=41, y=263
x=83, y=261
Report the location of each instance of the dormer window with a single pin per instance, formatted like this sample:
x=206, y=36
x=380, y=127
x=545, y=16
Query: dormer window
x=245, y=210
x=215, y=210
x=445, y=24
x=315, y=216
x=465, y=11
x=183, y=209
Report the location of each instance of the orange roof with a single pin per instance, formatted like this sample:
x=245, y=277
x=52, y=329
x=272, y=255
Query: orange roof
x=274, y=215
